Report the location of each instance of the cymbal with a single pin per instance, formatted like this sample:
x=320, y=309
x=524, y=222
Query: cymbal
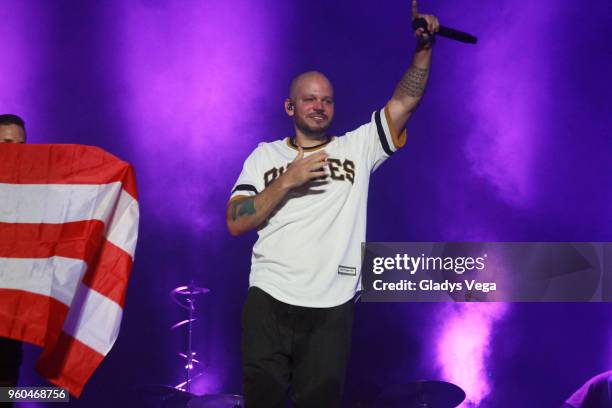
x=422, y=394
x=183, y=295
x=181, y=323
x=189, y=290
x=217, y=401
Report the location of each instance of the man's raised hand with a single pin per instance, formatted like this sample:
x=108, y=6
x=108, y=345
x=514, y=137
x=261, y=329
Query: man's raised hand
x=425, y=37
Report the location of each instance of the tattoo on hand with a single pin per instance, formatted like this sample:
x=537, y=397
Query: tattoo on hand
x=243, y=207
x=413, y=82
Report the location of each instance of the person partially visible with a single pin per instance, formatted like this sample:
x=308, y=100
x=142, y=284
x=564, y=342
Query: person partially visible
x=12, y=130
x=595, y=393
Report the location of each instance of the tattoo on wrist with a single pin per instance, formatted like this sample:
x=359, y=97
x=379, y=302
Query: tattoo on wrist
x=243, y=207
x=413, y=82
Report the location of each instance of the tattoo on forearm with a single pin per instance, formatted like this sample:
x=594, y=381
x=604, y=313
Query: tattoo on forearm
x=243, y=207
x=413, y=82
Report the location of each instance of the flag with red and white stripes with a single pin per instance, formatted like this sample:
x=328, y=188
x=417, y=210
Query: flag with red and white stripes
x=68, y=230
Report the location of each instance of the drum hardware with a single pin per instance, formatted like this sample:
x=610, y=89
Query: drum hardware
x=422, y=394
x=185, y=297
x=180, y=396
x=217, y=401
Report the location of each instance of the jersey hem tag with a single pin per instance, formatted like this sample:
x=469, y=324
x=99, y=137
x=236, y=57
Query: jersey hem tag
x=347, y=270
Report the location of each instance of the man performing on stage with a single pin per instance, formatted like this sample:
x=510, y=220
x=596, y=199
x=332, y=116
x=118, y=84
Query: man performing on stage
x=307, y=198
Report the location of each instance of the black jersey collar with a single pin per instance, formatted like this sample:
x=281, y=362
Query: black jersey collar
x=291, y=144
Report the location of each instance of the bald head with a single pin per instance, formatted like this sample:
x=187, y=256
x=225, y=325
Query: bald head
x=299, y=80
x=311, y=105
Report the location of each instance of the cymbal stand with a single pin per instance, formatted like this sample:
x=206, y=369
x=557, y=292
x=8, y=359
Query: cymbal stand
x=188, y=294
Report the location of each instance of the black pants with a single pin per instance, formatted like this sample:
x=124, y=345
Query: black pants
x=10, y=360
x=301, y=349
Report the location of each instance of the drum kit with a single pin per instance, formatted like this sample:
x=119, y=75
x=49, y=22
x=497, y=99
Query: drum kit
x=417, y=394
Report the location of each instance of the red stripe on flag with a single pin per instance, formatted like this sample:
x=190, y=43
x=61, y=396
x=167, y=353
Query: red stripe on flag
x=108, y=265
x=63, y=164
x=69, y=363
x=77, y=240
x=109, y=273
x=30, y=317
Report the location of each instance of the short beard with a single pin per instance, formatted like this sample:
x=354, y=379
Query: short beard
x=314, y=133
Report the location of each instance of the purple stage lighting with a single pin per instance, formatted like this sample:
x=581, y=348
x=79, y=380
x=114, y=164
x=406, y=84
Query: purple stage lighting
x=509, y=97
x=192, y=87
x=464, y=346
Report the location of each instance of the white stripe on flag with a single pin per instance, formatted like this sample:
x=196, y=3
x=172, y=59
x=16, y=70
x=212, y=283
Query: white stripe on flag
x=56, y=276
x=56, y=203
x=94, y=319
x=61, y=203
x=123, y=228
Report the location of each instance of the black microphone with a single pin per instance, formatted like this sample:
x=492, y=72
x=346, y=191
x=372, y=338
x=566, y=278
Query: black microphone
x=446, y=32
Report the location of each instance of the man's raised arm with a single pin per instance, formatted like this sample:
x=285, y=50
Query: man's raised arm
x=246, y=213
x=409, y=91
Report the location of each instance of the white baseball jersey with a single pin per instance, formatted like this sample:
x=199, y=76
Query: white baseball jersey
x=309, y=250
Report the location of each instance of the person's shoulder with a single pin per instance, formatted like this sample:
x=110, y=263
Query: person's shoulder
x=603, y=378
x=264, y=149
x=366, y=123
x=273, y=146
x=354, y=132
